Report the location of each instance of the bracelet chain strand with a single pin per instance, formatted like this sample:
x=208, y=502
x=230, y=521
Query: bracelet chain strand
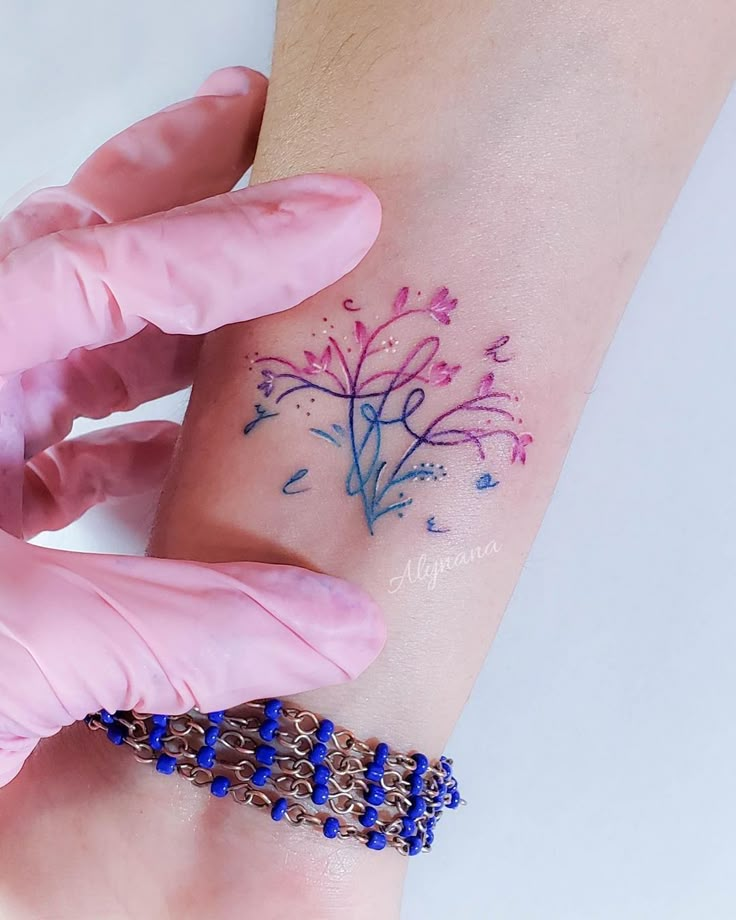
x=298, y=766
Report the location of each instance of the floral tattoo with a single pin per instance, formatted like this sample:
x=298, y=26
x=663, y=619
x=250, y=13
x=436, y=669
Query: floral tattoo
x=372, y=400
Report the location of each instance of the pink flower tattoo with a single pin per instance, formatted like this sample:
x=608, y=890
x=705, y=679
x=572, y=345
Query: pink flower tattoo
x=375, y=401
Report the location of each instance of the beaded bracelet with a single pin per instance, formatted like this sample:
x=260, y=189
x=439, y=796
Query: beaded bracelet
x=298, y=766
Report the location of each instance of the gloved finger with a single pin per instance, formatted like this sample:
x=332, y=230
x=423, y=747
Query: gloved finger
x=190, y=151
x=79, y=632
x=239, y=255
x=64, y=482
x=94, y=383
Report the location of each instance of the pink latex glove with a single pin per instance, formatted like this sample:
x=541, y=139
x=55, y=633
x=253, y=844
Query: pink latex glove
x=106, y=286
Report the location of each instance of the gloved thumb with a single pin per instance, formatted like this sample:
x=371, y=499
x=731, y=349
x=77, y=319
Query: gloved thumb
x=81, y=632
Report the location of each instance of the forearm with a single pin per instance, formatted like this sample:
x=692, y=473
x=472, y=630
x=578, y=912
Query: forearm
x=526, y=158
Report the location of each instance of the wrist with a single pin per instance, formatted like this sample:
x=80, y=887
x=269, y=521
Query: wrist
x=210, y=857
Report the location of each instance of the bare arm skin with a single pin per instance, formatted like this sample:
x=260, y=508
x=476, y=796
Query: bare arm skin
x=527, y=156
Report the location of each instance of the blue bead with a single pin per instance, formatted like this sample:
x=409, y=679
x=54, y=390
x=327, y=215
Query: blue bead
x=156, y=739
x=446, y=765
x=421, y=763
x=374, y=794
x=325, y=730
x=369, y=817
x=268, y=729
x=217, y=716
x=220, y=786
x=374, y=772
x=454, y=799
x=265, y=754
x=381, y=753
x=429, y=838
x=261, y=776
x=160, y=721
x=376, y=840
x=408, y=828
x=321, y=774
x=272, y=709
x=166, y=763
x=320, y=794
x=441, y=790
x=206, y=757
x=278, y=809
x=106, y=718
x=415, y=846
x=117, y=733
x=416, y=783
x=318, y=753
x=331, y=828
x=417, y=808
x=211, y=735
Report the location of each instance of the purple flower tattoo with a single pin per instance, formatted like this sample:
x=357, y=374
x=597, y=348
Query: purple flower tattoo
x=374, y=400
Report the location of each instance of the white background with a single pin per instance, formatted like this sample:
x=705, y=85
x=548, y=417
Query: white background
x=598, y=750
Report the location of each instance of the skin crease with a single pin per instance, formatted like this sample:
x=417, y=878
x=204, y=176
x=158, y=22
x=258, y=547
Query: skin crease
x=526, y=155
